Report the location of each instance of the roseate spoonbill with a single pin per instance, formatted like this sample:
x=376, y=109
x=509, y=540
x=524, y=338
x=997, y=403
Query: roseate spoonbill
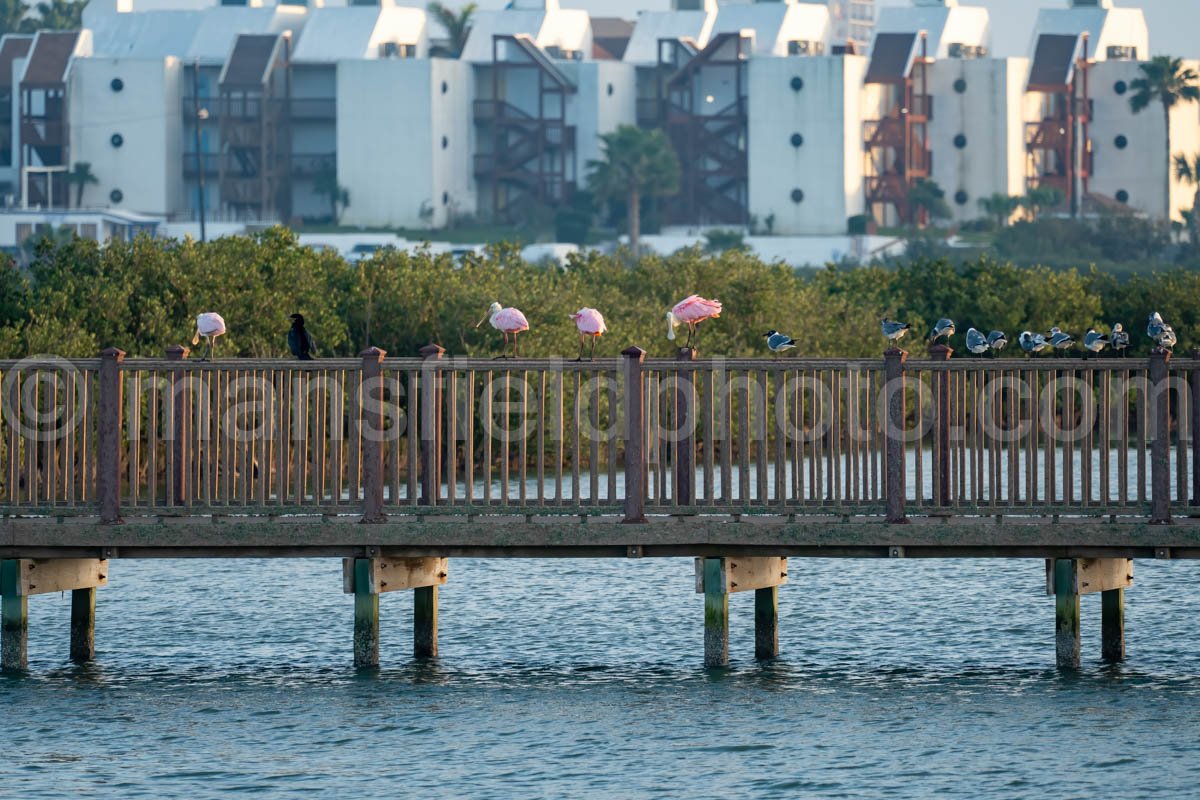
x=778, y=342
x=976, y=342
x=997, y=340
x=1059, y=340
x=300, y=341
x=210, y=325
x=1094, y=342
x=1032, y=342
x=944, y=327
x=590, y=322
x=1162, y=333
x=1119, y=338
x=893, y=331
x=692, y=310
x=507, y=321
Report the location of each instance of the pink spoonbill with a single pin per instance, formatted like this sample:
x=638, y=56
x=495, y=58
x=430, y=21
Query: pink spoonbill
x=590, y=322
x=692, y=310
x=210, y=325
x=507, y=321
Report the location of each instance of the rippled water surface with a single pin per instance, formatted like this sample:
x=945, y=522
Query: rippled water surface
x=563, y=678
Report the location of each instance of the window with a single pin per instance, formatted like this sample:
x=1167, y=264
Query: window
x=805, y=47
x=960, y=85
x=961, y=197
x=116, y=196
x=797, y=83
x=116, y=84
x=117, y=140
x=960, y=141
x=797, y=140
x=960, y=50
x=397, y=50
x=1120, y=87
x=797, y=196
x=1122, y=196
x=87, y=230
x=1121, y=142
x=24, y=231
x=1122, y=53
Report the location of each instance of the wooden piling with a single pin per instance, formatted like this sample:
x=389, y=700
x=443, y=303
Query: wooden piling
x=1066, y=613
x=431, y=379
x=14, y=620
x=635, y=435
x=83, y=625
x=766, y=623
x=1112, y=625
x=371, y=440
x=108, y=456
x=716, y=614
x=1160, y=449
x=425, y=622
x=366, y=616
x=893, y=360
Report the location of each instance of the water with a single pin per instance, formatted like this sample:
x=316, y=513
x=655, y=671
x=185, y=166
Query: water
x=564, y=678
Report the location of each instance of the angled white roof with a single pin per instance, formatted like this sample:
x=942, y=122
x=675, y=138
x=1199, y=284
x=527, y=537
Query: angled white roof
x=350, y=32
x=946, y=25
x=221, y=25
x=147, y=34
x=1106, y=27
x=566, y=29
x=651, y=26
x=775, y=24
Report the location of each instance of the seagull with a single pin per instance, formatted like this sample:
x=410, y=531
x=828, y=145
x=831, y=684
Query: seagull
x=944, y=327
x=210, y=325
x=1119, y=338
x=977, y=343
x=778, y=342
x=507, y=321
x=894, y=331
x=693, y=310
x=589, y=322
x=997, y=341
x=300, y=341
x=1162, y=333
x=1032, y=342
x=1059, y=340
x=1094, y=342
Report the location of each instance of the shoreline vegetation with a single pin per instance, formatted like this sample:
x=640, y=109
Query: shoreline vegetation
x=78, y=297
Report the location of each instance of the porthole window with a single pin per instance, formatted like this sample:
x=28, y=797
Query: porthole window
x=610, y=90
x=1122, y=196
x=960, y=141
x=797, y=83
x=117, y=84
x=1120, y=87
x=117, y=140
x=445, y=87
x=445, y=198
x=797, y=140
x=797, y=196
x=116, y=195
x=960, y=85
x=961, y=197
x=1121, y=142
x=445, y=142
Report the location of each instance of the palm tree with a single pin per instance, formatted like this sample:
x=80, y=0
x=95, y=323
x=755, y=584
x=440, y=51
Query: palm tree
x=457, y=25
x=61, y=15
x=1166, y=80
x=926, y=196
x=1188, y=172
x=1039, y=199
x=637, y=163
x=81, y=175
x=1000, y=206
x=325, y=182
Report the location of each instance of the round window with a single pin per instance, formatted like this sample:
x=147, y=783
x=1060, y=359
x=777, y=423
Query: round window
x=1122, y=196
x=961, y=197
x=1120, y=87
x=797, y=196
x=960, y=141
x=445, y=142
x=117, y=84
x=445, y=198
x=797, y=140
x=116, y=195
x=1121, y=142
x=610, y=90
x=445, y=87
x=960, y=85
x=797, y=83
x=117, y=140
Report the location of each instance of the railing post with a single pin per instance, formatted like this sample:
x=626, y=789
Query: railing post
x=685, y=419
x=178, y=424
x=431, y=380
x=1195, y=431
x=635, y=435
x=1160, y=450
x=893, y=366
x=371, y=438
x=941, y=427
x=108, y=477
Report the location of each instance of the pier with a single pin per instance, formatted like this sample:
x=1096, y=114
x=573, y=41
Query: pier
x=399, y=465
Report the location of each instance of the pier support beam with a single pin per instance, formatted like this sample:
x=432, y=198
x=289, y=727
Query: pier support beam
x=1066, y=613
x=716, y=614
x=83, y=625
x=425, y=622
x=1112, y=625
x=717, y=578
x=766, y=623
x=366, y=616
x=22, y=577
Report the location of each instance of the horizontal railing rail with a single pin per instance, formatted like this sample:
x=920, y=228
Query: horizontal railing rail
x=112, y=437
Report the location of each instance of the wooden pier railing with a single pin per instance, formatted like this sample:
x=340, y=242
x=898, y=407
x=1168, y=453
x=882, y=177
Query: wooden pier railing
x=396, y=464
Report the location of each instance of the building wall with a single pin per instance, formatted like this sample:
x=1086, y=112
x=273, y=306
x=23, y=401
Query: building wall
x=146, y=168
x=593, y=110
x=988, y=114
x=392, y=117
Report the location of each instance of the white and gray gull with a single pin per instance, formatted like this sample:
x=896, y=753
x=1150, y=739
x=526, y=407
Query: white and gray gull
x=977, y=343
x=943, y=327
x=778, y=342
x=893, y=331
